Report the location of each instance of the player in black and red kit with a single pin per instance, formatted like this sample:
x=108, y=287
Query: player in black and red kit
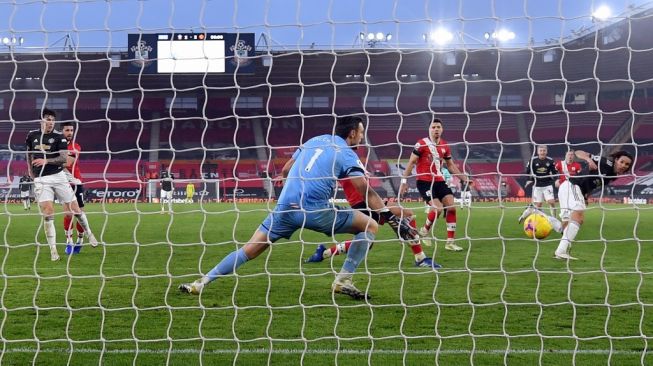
x=47, y=152
x=575, y=191
x=430, y=155
x=541, y=173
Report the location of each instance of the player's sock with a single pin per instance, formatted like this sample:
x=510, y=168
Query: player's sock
x=415, y=246
x=568, y=236
x=357, y=251
x=80, y=229
x=83, y=221
x=430, y=219
x=451, y=224
x=226, y=266
x=25, y=204
x=50, y=232
x=552, y=209
x=68, y=226
x=340, y=248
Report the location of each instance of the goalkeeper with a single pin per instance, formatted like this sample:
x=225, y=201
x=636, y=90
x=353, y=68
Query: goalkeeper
x=304, y=203
x=357, y=202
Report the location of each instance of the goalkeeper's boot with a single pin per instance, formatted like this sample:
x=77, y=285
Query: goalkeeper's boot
x=91, y=239
x=78, y=245
x=451, y=245
x=194, y=288
x=70, y=245
x=318, y=255
x=427, y=263
x=530, y=209
x=424, y=236
x=346, y=287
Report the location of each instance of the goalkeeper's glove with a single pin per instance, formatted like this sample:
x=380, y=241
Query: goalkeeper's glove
x=466, y=186
x=401, y=226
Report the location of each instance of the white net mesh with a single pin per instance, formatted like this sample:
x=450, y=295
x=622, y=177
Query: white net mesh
x=223, y=118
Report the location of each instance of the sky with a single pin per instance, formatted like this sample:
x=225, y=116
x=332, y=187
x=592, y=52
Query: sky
x=298, y=24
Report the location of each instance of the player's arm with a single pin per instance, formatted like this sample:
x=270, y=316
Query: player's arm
x=59, y=160
x=529, y=173
x=587, y=157
x=454, y=170
x=286, y=168
x=407, y=172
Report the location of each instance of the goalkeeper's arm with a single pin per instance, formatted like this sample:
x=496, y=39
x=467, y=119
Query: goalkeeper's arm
x=401, y=226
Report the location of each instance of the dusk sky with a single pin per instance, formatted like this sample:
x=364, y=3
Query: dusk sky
x=296, y=24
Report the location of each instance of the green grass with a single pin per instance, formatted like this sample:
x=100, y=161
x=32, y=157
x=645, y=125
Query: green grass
x=119, y=304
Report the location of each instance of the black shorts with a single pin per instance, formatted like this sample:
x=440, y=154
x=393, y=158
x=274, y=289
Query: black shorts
x=79, y=194
x=430, y=190
x=362, y=207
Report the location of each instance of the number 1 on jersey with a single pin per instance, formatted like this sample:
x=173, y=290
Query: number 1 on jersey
x=311, y=162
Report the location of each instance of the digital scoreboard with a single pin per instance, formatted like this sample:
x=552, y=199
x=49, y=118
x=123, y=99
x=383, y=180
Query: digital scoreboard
x=191, y=53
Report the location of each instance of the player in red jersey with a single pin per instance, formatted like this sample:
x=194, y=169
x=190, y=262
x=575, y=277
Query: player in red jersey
x=568, y=168
x=358, y=202
x=74, y=176
x=430, y=155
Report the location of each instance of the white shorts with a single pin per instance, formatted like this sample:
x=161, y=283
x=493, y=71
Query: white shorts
x=541, y=194
x=50, y=186
x=166, y=195
x=571, y=199
x=24, y=194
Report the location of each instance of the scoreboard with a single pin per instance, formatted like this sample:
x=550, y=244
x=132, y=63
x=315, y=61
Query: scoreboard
x=191, y=53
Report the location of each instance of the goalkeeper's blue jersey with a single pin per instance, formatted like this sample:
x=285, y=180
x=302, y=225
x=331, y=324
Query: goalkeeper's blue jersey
x=319, y=163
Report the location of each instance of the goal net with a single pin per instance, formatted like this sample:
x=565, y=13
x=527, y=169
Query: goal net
x=187, y=112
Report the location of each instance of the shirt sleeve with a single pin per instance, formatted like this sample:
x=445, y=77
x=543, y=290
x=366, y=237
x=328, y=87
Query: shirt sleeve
x=447, y=152
x=351, y=165
x=28, y=142
x=295, y=155
x=62, y=144
x=416, y=149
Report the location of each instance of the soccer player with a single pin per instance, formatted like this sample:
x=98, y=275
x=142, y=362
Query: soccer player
x=190, y=192
x=429, y=155
x=567, y=168
x=47, y=153
x=357, y=202
x=74, y=176
x=541, y=171
x=167, y=188
x=574, y=192
x=304, y=203
x=25, y=186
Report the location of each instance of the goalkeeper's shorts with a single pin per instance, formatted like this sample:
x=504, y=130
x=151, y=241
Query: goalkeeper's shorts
x=285, y=220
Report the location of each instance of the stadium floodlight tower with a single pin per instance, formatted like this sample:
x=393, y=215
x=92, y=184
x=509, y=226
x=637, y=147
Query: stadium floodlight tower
x=373, y=39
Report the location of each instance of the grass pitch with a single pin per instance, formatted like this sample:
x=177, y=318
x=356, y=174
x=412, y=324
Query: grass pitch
x=503, y=300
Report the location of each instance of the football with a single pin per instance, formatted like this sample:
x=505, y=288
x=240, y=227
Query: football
x=537, y=226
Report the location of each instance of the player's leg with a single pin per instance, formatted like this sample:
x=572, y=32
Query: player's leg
x=169, y=193
x=571, y=198
x=421, y=260
x=450, y=204
x=365, y=229
x=278, y=224
x=67, y=196
x=162, y=200
x=79, y=195
x=538, y=196
x=44, y=194
x=550, y=199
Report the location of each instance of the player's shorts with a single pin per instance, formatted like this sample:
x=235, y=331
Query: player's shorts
x=166, y=195
x=571, y=199
x=49, y=186
x=431, y=190
x=285, y=220
x=541, y=194
x=79, y=194
x=24, y=194
x=363, y=208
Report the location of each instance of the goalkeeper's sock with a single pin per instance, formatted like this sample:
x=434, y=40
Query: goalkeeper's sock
x=568, y=235
x=357, y=251
x=451, y=223
x=430, y=219
x=340, y=248
x=226, y=266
